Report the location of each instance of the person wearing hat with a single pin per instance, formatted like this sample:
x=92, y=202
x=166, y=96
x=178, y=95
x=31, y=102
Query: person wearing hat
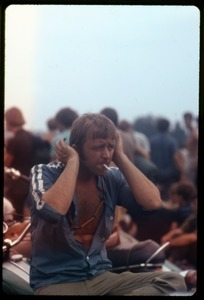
x=18, y=154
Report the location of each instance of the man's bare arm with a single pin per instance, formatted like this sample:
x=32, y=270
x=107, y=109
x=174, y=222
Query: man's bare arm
x=144, y=191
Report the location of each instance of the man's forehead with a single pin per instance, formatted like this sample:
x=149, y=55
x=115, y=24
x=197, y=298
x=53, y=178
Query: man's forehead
x=101, y=140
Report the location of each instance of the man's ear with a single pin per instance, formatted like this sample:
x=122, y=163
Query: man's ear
x=76, y=148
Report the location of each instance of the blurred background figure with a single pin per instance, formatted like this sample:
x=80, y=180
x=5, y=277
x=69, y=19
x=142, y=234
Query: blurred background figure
x=188, y=154
x=183, y=241
x=179, y=133
x=181, y=196
x=14, y=230
x=190, y=126
x=52, y=130
x=178, y=207
x=142, y=139
x=164, y=149
x=18, y=154
x=142, y=146
x=64, y=119
x=142, y=151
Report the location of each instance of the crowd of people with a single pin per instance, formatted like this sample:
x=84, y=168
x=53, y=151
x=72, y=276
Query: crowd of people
x=144, y=196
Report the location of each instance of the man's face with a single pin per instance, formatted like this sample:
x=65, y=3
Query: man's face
x=96, y=153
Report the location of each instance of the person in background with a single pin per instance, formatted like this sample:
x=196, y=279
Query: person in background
x=142, y=154
x=64, y=119
x=190, y=127
x=73, y=202
x=142, y=139
x=18, y=154
x=181, y=195
x=15, y=229
x=175, y=210
x=179, y=133
x=52, y=130
x=188, y=155
x=164, y=149
x=183, y=240
x=140, y=148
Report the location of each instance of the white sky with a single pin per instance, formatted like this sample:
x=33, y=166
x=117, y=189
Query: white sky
x=141, y=60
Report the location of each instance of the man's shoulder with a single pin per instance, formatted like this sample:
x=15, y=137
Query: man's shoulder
x=53, y=167
x=113, y=175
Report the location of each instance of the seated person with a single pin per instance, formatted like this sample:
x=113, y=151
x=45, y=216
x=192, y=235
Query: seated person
x=181, y=195
x=183, y=241
x=73, y=201
x=153, y=225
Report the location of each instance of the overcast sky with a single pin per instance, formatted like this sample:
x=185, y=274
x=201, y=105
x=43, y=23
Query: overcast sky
x=141, y=60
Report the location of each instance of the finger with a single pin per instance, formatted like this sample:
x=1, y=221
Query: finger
x=60, y=144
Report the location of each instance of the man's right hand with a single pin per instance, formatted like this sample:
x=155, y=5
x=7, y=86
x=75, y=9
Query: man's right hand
x=64, y=152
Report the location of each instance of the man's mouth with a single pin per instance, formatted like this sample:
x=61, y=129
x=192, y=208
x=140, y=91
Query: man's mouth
x=108, y=168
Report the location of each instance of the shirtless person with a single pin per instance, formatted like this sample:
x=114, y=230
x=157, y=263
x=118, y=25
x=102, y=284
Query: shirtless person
x=73, y=202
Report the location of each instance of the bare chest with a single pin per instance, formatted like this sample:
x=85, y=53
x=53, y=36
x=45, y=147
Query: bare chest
x=89, y=211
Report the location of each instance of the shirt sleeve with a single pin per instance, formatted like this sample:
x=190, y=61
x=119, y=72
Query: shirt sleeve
x=42, y=177
x=119, y=189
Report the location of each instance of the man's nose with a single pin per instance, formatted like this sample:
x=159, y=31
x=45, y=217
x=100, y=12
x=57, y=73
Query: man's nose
x=106, y=152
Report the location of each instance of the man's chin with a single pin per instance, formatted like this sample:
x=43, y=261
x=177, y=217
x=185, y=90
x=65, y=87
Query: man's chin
x=101, y=170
